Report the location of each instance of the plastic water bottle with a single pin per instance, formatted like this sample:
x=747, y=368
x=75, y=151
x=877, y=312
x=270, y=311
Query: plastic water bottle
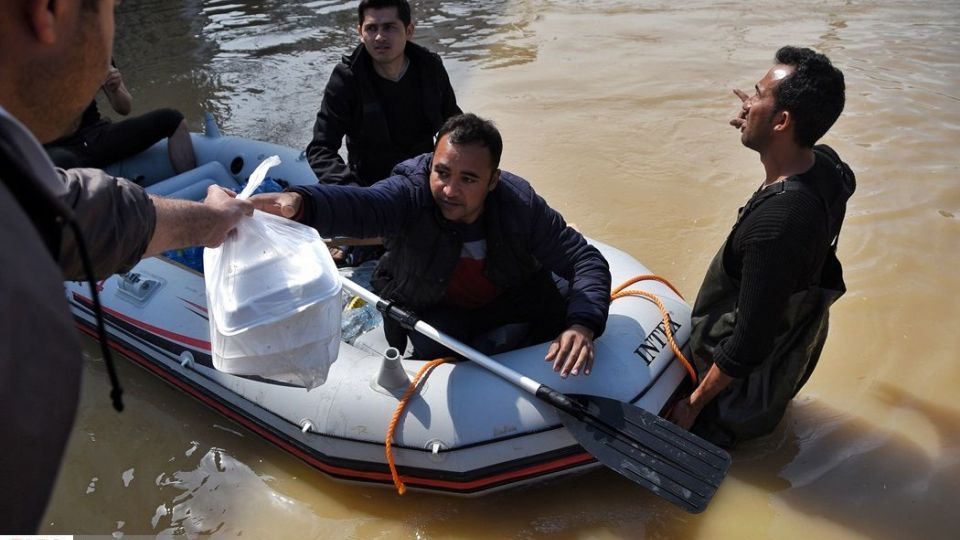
x=354, y=322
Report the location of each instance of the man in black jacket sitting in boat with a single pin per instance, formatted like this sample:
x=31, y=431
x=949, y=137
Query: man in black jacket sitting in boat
x=469, y=248
x=388, y=97
x=760, y=319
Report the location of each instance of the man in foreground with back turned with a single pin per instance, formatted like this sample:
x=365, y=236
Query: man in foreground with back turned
x=469, y=248
x=53, y=57
x=760, y=319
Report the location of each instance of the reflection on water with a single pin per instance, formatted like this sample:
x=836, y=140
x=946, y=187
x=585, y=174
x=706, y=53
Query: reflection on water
x=196, y=505
x=616, y=110
x=882, y=475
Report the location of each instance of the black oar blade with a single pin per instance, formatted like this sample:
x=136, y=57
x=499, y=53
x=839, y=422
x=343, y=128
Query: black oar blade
x=669, y=461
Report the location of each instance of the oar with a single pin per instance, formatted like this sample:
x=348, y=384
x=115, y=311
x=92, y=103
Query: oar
x=669, y=461
x=349, y=241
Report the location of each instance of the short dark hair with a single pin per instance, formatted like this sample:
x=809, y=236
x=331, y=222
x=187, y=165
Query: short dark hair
x=471, y=129
x=813, y=93
x=403, y=9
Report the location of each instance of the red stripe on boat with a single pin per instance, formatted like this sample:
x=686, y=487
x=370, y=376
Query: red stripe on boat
x=198, y=306
x=186, y=340
x=333, y=470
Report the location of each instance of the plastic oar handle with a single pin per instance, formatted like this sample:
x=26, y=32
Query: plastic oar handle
x=559, y=400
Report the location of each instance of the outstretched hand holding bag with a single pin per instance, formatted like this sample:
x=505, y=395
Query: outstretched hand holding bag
x=273, y=296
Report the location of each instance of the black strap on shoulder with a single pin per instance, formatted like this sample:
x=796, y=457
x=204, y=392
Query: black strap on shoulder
x=791, y=184
x=831, y=272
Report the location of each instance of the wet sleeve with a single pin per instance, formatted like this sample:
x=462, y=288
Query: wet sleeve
x=117, y=220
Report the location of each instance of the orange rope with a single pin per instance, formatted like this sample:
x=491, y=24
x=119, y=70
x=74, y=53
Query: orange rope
x=645, y=277
x=619, y=292
x=401, y=489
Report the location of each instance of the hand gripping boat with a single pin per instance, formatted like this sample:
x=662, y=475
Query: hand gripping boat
x=465, y=430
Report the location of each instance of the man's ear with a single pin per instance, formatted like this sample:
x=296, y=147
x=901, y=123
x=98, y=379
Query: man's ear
x=782, y=121
x=43, y=16
x=410, y=28
x=494, y=180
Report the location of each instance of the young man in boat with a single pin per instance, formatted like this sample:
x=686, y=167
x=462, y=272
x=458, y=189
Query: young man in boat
x=469, y=248
x=388, y=97
x=760, y=318
x=53, y=57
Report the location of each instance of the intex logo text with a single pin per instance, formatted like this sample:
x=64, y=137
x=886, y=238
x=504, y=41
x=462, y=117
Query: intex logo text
x=655, y=342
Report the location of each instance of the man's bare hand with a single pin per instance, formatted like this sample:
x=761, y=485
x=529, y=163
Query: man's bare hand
x=113, y=81
x=572, y=351
x=285, y=204
x=741, y=117
x=683, y=413
x=183, y=223
x=228, y=211
x=118, y=95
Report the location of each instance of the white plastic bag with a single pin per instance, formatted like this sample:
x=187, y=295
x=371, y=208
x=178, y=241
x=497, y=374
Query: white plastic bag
x=273, y=297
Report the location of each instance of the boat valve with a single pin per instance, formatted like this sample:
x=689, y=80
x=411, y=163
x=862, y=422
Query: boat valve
x=306, y=425
x=436, y=448
x=391, y=373
x=186, y=358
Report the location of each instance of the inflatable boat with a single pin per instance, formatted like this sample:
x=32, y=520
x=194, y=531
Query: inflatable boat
x=464, y=431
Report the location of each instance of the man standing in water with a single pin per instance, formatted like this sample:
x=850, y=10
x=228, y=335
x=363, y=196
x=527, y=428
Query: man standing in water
x=389, y=97
x=760, y=319
x=53, y=57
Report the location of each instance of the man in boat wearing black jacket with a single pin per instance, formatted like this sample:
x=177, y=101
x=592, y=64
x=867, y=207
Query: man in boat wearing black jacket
x=389, y=97
x=760, y=319
x=470, y=248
